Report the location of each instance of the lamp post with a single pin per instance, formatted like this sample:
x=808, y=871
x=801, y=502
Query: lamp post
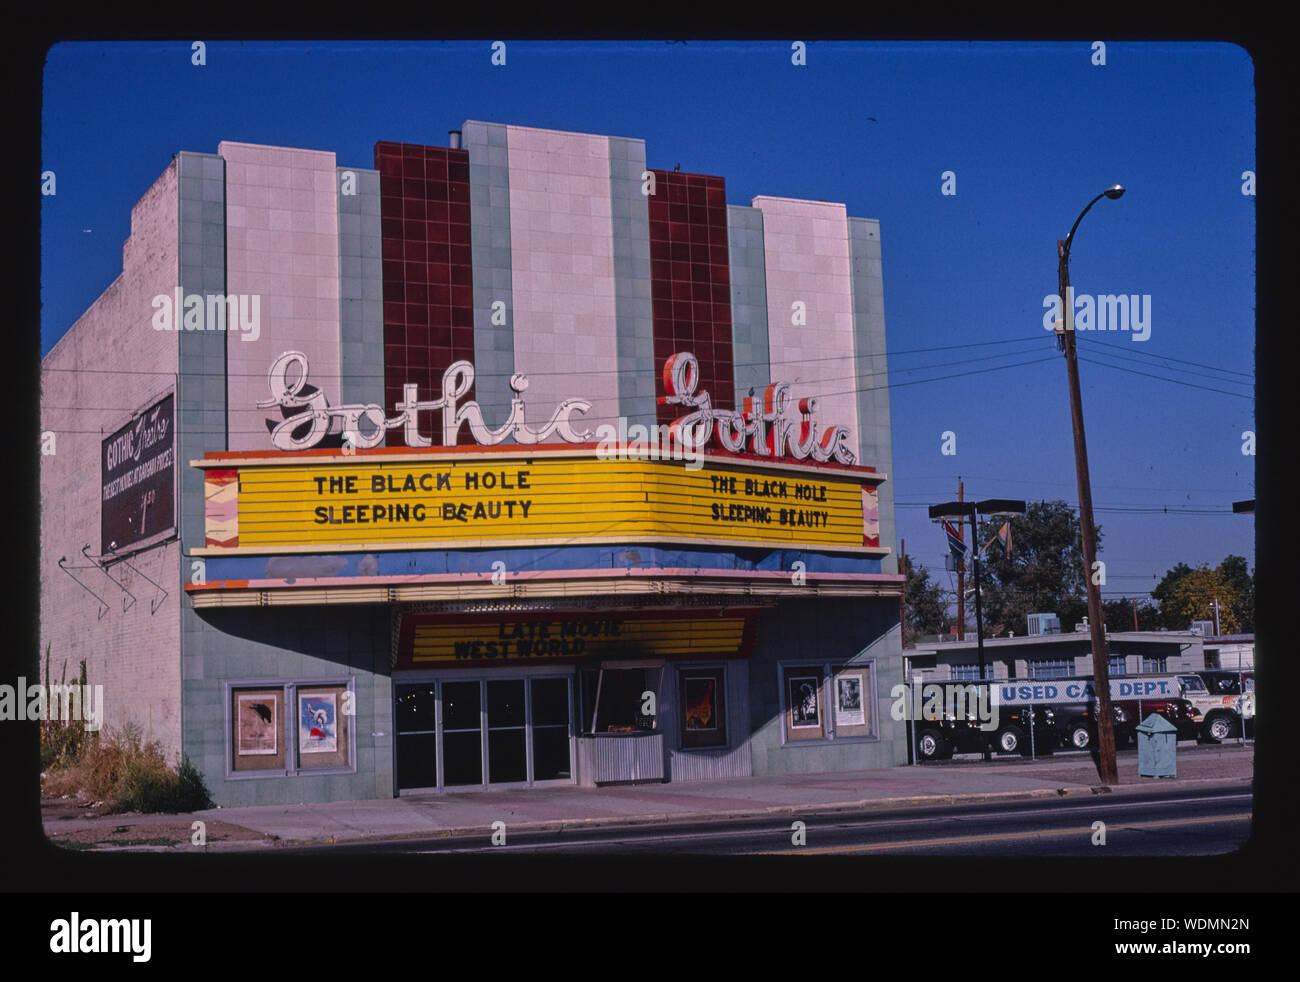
x=991, y=507
x=1088, y=531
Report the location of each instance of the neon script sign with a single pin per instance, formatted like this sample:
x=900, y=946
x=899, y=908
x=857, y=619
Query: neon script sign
x=456, y=380
x=768, y=432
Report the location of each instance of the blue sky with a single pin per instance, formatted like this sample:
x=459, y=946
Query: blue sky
x=1032, y=132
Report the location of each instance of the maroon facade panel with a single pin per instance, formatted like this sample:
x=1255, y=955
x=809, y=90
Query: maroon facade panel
x=428, y=280
x=691, y=281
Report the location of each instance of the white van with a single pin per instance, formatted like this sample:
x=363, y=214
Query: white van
x=1221, y=714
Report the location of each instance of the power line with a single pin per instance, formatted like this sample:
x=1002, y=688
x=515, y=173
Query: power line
x=756, y=364
x=598, y=419
x=1149, y=354
x=1191, y=385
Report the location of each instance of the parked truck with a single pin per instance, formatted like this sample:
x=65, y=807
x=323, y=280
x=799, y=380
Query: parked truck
x=1064, y=713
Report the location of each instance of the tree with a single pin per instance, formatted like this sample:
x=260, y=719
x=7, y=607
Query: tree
x=1162, y=592
x=1119, y=615
x=1044, y=573
x=925, y=601
x=1192, y=599
x=1185, y=595
x=1233, y=570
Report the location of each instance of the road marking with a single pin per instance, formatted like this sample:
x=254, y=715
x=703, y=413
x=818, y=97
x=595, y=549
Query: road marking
x=1005, y=836
x=621, y=837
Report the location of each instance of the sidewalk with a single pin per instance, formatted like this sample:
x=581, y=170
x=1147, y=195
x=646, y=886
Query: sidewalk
x=473, y=812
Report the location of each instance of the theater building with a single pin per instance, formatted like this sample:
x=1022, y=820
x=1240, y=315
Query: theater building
x=508, y=463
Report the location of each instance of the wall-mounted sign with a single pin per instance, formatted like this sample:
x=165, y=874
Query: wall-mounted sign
x=138, y=470
x=426, y=640
x=769, y=432
x=299, y=431
x=766, y=428
x=500, y=499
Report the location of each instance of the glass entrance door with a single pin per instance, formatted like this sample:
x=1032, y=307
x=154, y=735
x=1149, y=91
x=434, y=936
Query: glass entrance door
x=456, y=733
x=417, y=735
x=462, y=733
x=507, y=732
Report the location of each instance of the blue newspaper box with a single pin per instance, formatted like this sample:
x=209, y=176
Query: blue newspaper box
x=1157, y=740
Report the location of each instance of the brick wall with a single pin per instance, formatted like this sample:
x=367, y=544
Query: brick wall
x=110, y=364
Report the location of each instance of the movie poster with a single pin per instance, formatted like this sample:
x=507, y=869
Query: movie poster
x=317, y=722
x=849, y=710
x=701, y=704
x=256, y=725
x=803, y=702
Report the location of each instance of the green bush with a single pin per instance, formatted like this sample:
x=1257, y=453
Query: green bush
x=62, y=745
x=191, y=793
x=148, y=784
x=130, y=775
x=63, y=742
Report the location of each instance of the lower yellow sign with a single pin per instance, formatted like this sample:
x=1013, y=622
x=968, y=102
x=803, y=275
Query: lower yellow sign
x=564, y=638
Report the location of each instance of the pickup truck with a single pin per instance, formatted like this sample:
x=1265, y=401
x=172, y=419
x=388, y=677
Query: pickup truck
x=1077, y=724
x=1185, y=716
x=939, y=739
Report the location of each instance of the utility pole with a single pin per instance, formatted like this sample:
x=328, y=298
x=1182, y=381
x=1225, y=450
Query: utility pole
x=1134, y=604
x=961, y=575
x=1096, y=622
x=902, y=597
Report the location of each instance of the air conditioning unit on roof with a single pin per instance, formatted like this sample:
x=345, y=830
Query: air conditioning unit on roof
x=1044, y=624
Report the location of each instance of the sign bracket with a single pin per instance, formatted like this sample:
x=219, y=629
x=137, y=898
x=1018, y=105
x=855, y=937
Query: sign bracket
x=103, y=606
x=100, y=566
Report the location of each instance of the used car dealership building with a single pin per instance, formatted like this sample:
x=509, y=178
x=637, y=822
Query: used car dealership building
x=512, y=462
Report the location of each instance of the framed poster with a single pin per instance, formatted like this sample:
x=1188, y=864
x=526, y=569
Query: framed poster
x=255, y=725
x=801, y=693
x=324, y=724
x=804, y=709
x=256, y=737
x=703, y=714
x=317, y=723
x=849, y=710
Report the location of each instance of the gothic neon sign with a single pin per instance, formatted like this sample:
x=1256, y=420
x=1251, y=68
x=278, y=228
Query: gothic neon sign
x=766, y=429
x=291, y=393
x=769, y=432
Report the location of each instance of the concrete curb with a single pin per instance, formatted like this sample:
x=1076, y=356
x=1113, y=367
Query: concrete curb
x=679, y=818
x=267, y=840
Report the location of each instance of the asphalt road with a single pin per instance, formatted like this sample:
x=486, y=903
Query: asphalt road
x=1179, y=822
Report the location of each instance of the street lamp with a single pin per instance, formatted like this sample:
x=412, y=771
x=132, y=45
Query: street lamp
x=1088, y=531
x=990, y=507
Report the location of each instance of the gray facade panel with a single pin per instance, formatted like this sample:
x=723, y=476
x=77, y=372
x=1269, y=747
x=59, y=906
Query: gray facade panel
x=297, y=645
x=874, y=438
x=826, y=631
x=750, y=359
x=201, y=412
x=361, y=277
x=632, y=325
x=489, y=216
